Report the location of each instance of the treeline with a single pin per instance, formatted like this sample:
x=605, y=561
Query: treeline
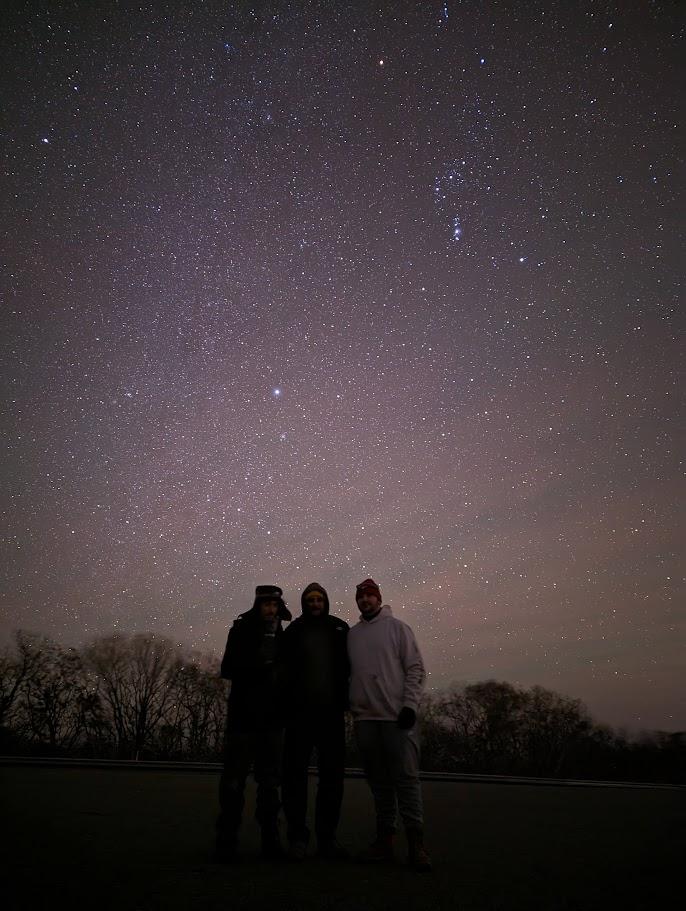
x=143, y=697
x=497, y=728
x=119, y=697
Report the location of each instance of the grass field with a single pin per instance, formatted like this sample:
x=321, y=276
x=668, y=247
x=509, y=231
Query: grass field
x=140, y=840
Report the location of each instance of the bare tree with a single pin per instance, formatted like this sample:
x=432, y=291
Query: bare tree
x=51, y=692
x=16, y=666
x=495, y=727
x=483, y=722
x=195, y=717
x=554, y=726
x=498, y=708
x=135, y=676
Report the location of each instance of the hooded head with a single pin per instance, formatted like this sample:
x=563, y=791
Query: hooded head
x=271, y=593
x=314, y=601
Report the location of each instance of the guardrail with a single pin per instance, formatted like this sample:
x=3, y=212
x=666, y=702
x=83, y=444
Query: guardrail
x=216, y=767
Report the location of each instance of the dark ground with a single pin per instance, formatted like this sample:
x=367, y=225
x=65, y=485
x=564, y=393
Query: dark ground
x=141, y=840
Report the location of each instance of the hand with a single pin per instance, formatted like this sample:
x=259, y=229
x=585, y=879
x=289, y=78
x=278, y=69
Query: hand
x=406, y=718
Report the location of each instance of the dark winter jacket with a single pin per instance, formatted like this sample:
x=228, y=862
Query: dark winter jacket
x=315, y=669
x=250, y=662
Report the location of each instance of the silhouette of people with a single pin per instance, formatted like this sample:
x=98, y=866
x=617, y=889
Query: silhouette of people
x=254, y=730
x=315, y=677
x=386, y=682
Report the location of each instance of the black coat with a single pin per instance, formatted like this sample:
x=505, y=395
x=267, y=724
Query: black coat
x=293, y=673
x=254, y=700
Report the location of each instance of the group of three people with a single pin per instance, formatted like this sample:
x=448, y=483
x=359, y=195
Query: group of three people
x=290, y=690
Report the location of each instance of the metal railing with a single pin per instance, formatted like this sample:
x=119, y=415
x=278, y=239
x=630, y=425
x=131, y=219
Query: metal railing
x=216, y=767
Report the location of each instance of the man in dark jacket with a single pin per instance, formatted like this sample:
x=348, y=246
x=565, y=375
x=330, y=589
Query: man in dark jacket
x=315, y=681
x=254, y=729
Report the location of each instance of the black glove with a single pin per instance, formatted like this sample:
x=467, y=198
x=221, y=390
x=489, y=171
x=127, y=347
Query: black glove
x=406, y=718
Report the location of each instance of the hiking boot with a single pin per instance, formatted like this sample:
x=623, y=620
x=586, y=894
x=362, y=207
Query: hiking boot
x=417, y=857
x=297, y=851
x=380, y=851
x=330, y=849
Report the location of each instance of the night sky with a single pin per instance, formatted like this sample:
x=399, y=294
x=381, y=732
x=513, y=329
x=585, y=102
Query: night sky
x=317, y=291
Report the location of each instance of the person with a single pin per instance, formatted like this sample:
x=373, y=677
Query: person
x=254, y=729
x=315, y=682
x=386, y=682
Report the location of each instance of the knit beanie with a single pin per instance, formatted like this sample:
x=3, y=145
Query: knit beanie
x=369, y=586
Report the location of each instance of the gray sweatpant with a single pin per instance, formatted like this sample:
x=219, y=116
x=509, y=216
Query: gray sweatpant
x=391, y=764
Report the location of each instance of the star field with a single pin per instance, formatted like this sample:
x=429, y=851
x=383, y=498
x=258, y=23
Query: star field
x=320, y=291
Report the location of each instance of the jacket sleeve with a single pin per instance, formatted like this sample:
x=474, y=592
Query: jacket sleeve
x=343, y=666
x=413, y=668
x=231, y=659
x=285, y=661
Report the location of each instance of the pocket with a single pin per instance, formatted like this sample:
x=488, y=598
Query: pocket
x=363, y=690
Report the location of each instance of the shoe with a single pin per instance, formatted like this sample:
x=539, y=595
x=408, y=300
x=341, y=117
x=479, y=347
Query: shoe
x=330, y=849
x=417, y=856
x=297, y=851
x=380, y=851
x=420, y=861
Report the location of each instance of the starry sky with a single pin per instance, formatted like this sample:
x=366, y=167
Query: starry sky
x=315, y=291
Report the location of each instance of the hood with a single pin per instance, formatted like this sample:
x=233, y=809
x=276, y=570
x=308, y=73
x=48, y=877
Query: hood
x=314, y=587
x=384, y=612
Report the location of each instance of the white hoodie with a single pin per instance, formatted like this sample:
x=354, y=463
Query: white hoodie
x=386, y=668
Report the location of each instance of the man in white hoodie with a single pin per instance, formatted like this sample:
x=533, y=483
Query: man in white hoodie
x=386, y=682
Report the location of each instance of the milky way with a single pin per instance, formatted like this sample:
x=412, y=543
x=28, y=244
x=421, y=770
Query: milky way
x=302, y=291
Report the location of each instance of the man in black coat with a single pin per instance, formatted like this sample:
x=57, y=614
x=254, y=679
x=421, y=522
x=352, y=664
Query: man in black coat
x=254, y=728
x=315, y=683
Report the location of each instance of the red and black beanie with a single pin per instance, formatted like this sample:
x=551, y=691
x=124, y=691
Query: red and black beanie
x=370, y=586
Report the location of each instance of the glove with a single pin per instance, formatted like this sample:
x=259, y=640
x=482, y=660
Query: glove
x=406, y=718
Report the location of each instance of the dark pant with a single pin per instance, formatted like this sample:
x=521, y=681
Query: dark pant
x=326, y=734
x=260, y=750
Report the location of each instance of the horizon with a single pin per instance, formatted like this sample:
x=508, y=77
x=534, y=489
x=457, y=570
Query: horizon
x=434, y=684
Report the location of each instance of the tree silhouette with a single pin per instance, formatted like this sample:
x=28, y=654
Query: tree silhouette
x=135, y=676
x=142, y=696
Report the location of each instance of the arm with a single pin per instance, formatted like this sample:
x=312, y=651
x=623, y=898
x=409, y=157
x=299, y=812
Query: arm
x=229, y=659
x=343, y=665
x=285, y=660
x=413, y=668
x=238, y=656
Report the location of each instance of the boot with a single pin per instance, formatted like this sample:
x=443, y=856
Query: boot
x=417, y=856
x=297, y=850
x=380, y=851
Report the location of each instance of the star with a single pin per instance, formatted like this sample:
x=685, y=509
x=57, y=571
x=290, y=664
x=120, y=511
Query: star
x=254, y=205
